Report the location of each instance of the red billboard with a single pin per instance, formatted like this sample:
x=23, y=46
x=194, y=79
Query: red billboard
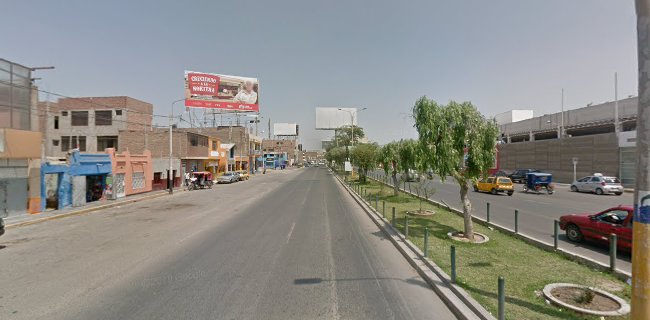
x=216, y=91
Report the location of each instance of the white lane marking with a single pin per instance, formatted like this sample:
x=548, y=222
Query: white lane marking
x=331, y=268
x=290, y=232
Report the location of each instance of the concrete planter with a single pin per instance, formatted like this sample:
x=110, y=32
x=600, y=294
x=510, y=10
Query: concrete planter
x=478, y=237
x=624, y=307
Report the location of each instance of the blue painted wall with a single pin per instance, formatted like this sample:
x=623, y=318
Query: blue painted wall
x=78, y=165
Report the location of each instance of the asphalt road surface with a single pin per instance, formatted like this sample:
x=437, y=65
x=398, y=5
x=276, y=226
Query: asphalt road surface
x=286, y=245
x=537, y=213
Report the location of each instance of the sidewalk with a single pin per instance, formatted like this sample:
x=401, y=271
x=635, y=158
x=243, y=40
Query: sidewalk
x=28, y=219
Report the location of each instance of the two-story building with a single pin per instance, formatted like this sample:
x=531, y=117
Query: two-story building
x=92, y=124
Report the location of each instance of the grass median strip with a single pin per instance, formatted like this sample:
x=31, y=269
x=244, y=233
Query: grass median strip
x=526, y=268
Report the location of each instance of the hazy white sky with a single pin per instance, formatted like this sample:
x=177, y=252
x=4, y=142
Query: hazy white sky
x=383, y=55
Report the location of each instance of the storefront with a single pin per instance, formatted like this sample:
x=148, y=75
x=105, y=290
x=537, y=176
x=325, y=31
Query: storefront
x=82, y=178
x=131, y=174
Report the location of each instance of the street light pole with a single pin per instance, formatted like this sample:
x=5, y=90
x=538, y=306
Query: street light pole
x=352, y=135
x=641, y=222
x=170, y=177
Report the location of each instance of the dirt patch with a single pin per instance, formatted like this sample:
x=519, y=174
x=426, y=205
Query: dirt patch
x=423, y=213
x=576, y=297
x=173, y=206
x=16, y=241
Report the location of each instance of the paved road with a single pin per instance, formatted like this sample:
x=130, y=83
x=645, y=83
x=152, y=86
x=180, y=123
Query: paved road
x=537, y=213
x=286, y=245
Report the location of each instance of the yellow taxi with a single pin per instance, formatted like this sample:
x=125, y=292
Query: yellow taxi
x=495, y=185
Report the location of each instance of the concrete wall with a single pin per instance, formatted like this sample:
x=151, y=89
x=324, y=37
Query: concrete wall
x=135, y=115
x=601, y=113
x=595, y=153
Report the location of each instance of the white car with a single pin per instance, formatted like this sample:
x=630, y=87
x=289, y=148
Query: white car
x=598, y=184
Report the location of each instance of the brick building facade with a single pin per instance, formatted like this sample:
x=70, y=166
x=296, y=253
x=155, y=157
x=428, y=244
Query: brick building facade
x=92, y=124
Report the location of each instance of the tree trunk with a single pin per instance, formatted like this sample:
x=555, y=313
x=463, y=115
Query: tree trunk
x=395, y=182
x=467, y=211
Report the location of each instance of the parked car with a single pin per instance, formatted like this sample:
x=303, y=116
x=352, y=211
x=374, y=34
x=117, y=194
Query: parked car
x=519, y=175
x=495, y=185
x=228, y=177
x=412, y=176
x=598, y=184
x=597, y=227
x=243, y=175
x=500, y=173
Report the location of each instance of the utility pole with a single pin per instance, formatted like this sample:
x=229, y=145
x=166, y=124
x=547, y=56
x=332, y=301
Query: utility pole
x=641, y=222
x=561, y=134
x=617, y=124
x=170, y=176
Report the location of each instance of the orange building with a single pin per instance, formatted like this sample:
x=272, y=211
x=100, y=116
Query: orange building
x=131, y=174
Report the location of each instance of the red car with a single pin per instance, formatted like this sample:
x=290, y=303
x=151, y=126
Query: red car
x=597, y=227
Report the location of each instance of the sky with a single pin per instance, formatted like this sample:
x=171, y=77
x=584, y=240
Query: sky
x=381, y=55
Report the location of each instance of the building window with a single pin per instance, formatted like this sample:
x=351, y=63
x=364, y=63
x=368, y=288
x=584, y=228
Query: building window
x=64, y=113
x=65, y=144
x=79, y=118
x=214, y=145
x=74, y=142
x=104, y=142
x=55, y=143
x=196, y=140
x=103, y=118
x=56, y=122
x=81, y=143
x=138, y=181
x=118, y=112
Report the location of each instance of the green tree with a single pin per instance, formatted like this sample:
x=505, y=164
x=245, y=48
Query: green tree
x=337, y=155
x=388, y=158
x=407, y=154
x=364, y=156
x=455, y=141
x=343, y=135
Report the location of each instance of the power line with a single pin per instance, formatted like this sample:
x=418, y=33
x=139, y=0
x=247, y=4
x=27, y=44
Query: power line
x=84, y=99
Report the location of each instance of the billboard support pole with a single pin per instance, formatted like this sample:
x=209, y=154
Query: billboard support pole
x=641, y=223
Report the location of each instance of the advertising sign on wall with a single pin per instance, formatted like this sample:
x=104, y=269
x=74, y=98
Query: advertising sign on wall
x=217, y=91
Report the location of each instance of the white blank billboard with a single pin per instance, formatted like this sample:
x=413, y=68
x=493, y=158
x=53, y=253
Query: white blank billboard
x=285, y=129
x=333, y=118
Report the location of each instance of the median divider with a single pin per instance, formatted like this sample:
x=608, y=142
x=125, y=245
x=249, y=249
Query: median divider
x=550, y=247
x=456, y=298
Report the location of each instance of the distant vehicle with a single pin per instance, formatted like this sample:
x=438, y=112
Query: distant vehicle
x=243, y=175
x=500, y=173
x=495, y=185
x=598, y=184
x=519, y=175
x=228, y=177
x=412, y=176
x=538, y=182
x=598, y=227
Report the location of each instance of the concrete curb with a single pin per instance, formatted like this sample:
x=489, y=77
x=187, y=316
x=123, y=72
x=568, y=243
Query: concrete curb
x=457, y=299
x=620, y=274
x=85, y=210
